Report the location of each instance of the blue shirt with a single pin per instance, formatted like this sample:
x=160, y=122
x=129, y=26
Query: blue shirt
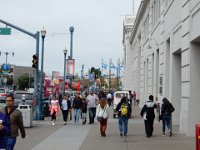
x=6, y=129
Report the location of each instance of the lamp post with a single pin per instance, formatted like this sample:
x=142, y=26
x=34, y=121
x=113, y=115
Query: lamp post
x=64, y=76
x=71, y=29
x=40, y=114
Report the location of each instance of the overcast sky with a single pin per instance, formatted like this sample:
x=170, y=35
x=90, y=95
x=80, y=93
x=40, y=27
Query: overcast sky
x=97, y=35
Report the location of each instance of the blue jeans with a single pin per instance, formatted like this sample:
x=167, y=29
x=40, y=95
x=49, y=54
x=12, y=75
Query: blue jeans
x=92, y=114
x=166, y=122
x=10, y=142
x=76, y=115
x=123, y=125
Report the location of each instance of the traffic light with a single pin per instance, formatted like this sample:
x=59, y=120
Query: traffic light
x=35, y=61
x=97, y=73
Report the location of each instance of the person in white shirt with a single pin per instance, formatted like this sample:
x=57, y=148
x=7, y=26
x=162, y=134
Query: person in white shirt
x=92, y=101
x=109, y=98
x=65, y=107
x=103, y=112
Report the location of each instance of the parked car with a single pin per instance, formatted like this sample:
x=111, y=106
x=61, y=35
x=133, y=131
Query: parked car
x=3, y=93
x=23, y=97
x=117, y=98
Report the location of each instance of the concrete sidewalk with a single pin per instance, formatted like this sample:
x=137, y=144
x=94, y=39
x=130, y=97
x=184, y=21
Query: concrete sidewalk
x=87, y=137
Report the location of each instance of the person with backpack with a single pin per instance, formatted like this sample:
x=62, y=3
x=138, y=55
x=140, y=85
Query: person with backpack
x=123, y=110
x=166, y=113
x=148, y=115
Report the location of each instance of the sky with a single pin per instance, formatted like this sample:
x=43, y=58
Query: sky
x=98, y=26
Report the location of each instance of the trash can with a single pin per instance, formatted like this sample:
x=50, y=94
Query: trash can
x=26, y=114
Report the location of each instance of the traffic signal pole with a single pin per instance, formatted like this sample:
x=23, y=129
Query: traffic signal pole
x=37, y=37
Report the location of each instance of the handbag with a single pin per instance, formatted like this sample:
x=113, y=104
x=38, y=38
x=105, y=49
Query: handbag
x=160, y=117
x=99, y=118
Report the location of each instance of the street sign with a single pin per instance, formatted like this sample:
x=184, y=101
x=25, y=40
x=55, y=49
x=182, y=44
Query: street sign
x=69, y=77
x=5, y=31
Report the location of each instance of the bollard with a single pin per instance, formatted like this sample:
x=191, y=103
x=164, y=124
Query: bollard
x=197, y=136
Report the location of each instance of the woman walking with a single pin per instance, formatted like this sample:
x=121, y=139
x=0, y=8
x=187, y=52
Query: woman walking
x=84, y=110
x=166, y=113
x=103, y=112
x=65, y=107
x=54, y=109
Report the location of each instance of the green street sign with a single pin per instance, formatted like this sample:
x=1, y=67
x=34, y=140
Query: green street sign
x=5, y=31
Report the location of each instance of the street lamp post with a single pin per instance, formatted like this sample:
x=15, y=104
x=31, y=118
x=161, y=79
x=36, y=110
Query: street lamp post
x=64, y=76
x=40, y=114
x=71, y=29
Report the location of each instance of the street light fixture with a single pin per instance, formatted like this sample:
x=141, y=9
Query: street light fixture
x=40, y=114
x=64, y=76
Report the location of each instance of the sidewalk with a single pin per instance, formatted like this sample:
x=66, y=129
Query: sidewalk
x=87, y=137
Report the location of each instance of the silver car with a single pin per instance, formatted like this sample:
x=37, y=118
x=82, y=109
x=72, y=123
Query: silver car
x=23, y=97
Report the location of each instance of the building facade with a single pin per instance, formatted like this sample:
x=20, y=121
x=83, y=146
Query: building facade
x=164, y=45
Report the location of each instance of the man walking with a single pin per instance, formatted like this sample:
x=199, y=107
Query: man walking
x=16, y=122
x=109, y=98
x=92, y=101
x=123, y=110
x=147, y=113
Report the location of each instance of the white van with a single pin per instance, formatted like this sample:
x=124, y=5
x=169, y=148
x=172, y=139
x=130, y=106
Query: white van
x=117, y=98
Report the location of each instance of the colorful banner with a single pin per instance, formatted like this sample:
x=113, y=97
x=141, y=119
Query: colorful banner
x=70, y=67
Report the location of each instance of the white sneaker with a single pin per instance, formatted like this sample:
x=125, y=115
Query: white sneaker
x=53, y=123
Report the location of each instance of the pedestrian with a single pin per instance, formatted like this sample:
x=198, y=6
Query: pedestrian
x=65, y=107
x=92, y=101
x=148, y=115
x=84, y=110
x=54, y=109
x=166, y=112
x=123, y=111
x=16, y=122
x=4, y=130
x=102, y=115
x=134, y=97
x=77, y=103
x=109, y=98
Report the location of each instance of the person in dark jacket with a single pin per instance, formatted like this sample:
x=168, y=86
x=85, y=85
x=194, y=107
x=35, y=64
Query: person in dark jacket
x=166, y=113
x=148, y=115
x=4, y=129
x=77, y=103
x=123, y=119
x=16, y=122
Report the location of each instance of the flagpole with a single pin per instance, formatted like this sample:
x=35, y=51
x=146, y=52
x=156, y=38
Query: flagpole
x=110, y=75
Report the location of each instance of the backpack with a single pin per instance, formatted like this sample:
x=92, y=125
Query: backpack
x=124, y=110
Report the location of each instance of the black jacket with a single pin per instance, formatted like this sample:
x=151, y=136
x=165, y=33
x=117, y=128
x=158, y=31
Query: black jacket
x=148, y=108
x=77, y=104
x=167, y=108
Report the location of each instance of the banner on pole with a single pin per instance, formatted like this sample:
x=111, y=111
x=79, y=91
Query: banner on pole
x=70, y=68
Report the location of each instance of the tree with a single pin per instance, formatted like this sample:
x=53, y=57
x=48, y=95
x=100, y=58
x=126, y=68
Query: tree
x=24, y=81
x=9, y=81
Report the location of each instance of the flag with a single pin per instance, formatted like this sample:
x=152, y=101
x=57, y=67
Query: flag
x=103, y=64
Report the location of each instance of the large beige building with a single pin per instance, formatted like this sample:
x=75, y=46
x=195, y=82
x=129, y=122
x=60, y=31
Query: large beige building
x=162, y=54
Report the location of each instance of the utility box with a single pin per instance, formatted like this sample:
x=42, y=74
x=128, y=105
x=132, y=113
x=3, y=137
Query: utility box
x=26, y=114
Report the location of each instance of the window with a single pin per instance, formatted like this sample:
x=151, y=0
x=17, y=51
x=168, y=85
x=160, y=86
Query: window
x=155, y=12
x=146, y=27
